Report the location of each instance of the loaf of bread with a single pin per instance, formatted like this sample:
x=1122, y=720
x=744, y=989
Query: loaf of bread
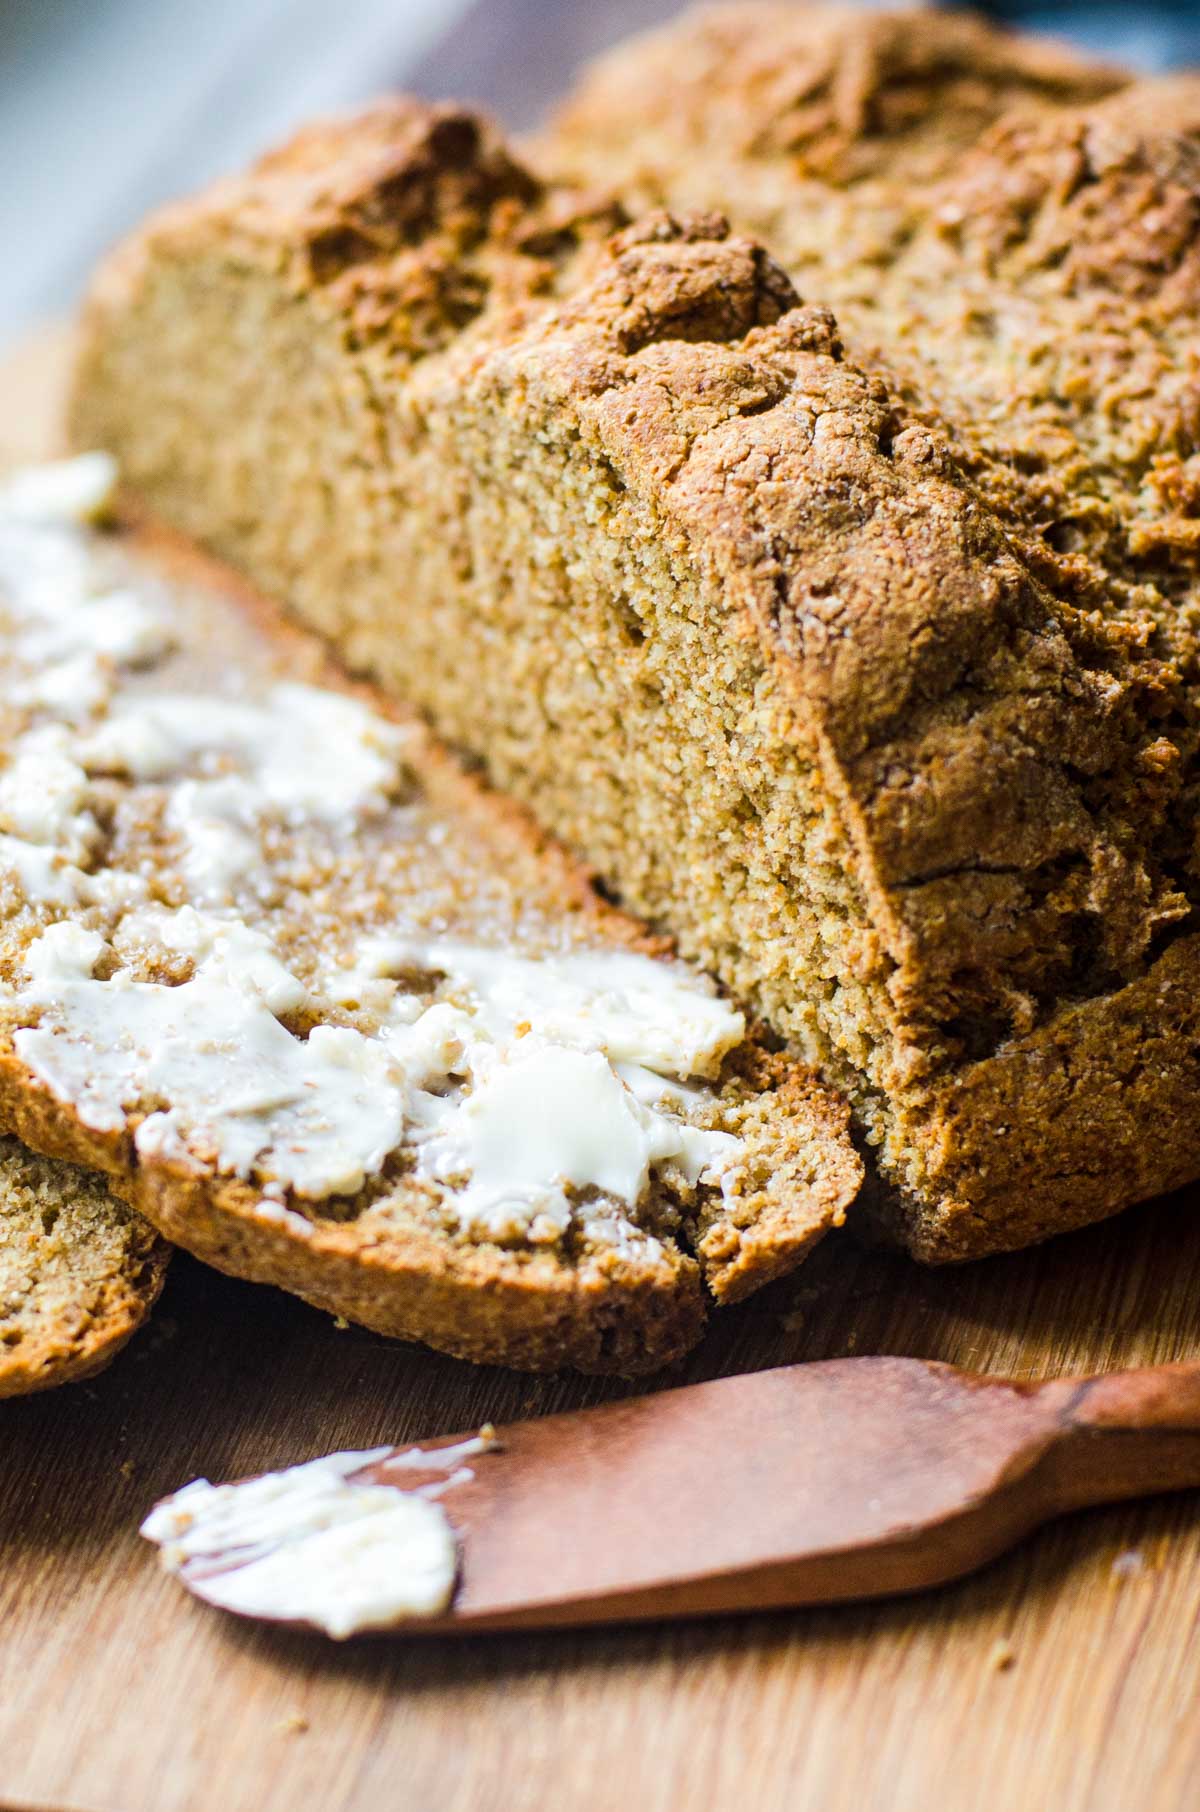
x=79, y=1272
x=728, y=610
x=1034, y=296
x=331, y=1016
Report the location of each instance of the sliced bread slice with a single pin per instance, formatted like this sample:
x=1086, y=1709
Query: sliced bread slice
x=79, y=1272
x=330, y=1015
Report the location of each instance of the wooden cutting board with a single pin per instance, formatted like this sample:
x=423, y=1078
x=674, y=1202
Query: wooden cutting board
x=1066, y=1676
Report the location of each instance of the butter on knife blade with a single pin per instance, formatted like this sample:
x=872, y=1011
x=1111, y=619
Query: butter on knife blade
x=327, y=1543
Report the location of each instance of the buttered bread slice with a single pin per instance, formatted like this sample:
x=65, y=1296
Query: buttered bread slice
x=330, y=1016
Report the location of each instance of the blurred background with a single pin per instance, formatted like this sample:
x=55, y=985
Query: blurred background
x=109, y=106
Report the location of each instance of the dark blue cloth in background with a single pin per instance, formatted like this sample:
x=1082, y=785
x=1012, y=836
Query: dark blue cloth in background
x=1156, y=34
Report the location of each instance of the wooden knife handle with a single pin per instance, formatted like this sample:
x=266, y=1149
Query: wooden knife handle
x=1126, y=1434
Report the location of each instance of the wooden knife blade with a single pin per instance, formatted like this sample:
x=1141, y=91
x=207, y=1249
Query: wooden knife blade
x=855, y=1478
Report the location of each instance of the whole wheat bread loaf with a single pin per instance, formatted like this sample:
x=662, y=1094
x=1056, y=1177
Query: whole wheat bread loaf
x=1031, y=292
x=729, y=611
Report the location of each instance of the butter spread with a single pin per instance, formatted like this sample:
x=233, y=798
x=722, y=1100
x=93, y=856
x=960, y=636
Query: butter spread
x=43, y=794
x=322, y=1543
x=299, y=752
x=529, y=1090
x=542, y=1117
x=644, y=1012
x=321, y=1113
x=41, y=872
x=301, y=749
x=64, y=490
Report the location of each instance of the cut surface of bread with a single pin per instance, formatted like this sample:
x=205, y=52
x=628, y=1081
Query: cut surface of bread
x=332, y=1016
x=624, y=518
x=79, y=1272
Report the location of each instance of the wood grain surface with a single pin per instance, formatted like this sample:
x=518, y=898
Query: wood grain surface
x=1065, y=1677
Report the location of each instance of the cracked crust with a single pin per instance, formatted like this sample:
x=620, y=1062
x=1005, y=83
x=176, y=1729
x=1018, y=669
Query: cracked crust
x=79, y=1273
x=831, y=121
x=918, y=793
x=850, y=95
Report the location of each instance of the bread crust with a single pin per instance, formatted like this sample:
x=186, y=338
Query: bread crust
x=849, y=95
x=822, y=128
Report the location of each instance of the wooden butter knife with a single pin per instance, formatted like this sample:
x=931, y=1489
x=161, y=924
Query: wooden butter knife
x=855, y=1478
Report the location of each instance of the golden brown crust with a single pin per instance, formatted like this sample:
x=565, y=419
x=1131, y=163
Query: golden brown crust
x=845, y=94
x=79, y=1272
x=1065, y=252
x=832, y=121
x=1096, y=1109
x=994, y=765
